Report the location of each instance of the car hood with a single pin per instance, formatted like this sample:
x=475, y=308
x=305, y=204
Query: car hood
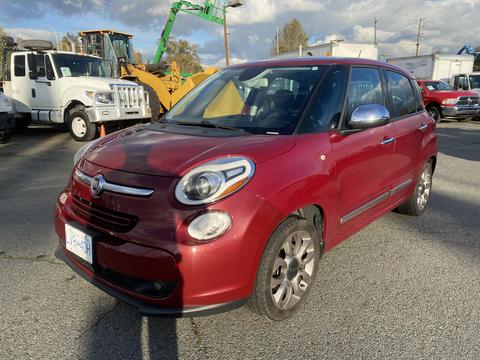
x=144, y=151
x=92, y=82
x=455, y=93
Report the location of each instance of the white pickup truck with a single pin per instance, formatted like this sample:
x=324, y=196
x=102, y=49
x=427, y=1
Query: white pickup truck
x=6, y=118
x=57, y=87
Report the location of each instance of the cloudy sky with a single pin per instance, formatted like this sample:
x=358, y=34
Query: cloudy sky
x=448, y=24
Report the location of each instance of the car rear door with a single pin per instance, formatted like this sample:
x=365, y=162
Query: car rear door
x=363, y=159
x=411, y=125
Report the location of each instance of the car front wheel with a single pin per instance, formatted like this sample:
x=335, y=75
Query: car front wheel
x=287, y=270
x=435, y=113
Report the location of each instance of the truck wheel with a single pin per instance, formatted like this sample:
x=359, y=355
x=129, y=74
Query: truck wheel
x=287, y=270
x=155, y=104
x=80, y=126
x=435, y=113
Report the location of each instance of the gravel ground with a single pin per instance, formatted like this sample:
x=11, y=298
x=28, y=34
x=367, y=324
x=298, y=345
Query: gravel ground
x=401, y=288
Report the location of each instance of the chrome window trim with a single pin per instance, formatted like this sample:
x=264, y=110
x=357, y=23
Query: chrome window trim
x=119, y=189
x=349, y=216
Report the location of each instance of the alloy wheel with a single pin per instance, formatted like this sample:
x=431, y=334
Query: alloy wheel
x=424, y=187
x=292, y=270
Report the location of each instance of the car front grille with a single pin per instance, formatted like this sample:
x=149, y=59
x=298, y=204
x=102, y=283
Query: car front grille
x=468, y=101
x=103, y=218
x=129, y=96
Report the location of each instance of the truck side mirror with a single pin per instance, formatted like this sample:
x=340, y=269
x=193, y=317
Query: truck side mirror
x=32, y=66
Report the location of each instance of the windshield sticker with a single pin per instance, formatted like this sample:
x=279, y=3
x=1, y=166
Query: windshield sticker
x=66, y=71
x=315, y=68
x=430, y=87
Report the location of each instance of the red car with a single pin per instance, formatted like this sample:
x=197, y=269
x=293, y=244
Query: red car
x=237, y=192
x=443, y=101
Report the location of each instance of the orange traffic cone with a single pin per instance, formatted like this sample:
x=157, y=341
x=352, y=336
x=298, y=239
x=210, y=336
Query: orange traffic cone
x=102, y=130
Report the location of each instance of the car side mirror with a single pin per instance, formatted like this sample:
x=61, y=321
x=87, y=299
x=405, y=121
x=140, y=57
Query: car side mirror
x=32, y=67
x=368, y=116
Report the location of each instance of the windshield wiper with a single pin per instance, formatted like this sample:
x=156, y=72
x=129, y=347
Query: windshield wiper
x=208, y=124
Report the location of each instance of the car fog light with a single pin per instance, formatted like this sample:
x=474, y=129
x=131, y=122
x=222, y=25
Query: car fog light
x=209, y=225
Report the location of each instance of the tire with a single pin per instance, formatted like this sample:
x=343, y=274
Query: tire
x=5, y=135
x=79, y=125
x=418, y=201
x=277, y=264
x=155, y=104
x=435, y=113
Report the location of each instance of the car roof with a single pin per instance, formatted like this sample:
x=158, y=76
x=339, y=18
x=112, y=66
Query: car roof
x=327, y=60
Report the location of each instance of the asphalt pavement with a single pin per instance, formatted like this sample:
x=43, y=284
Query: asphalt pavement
x=403, y=287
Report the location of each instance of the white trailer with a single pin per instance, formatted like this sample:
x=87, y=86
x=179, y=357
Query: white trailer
x=435, y=66
x=335, y=48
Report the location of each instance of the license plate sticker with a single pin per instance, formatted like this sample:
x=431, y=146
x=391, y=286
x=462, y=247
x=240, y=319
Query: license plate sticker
x=79, y=243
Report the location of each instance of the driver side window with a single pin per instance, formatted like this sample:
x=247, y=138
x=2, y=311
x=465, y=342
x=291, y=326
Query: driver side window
x=365, y=88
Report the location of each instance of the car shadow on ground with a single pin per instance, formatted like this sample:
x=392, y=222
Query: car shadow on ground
x=122, y=333
x=455, y=141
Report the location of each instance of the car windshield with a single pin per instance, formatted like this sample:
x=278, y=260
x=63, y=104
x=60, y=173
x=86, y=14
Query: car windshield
x=475, y=81
x=259, y=99
x=437, y=86
x=72, y=65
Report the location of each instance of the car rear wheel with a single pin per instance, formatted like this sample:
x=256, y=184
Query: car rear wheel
x=287, y=270
x=435, y=113
x=417, y=203
x=80, y=126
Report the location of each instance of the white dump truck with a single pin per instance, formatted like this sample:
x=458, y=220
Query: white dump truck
x=7, y=121
x=435, y=66
x=58, y=87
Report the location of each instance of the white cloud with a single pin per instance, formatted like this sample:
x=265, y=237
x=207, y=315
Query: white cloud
x=36, y=34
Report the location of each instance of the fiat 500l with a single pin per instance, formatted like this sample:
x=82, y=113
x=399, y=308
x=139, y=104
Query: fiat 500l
x=236, y=193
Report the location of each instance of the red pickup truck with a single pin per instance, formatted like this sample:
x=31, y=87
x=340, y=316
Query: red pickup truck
x=443, y=101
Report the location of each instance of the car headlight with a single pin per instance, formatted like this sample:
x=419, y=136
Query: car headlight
x=449, y=101
x=209, y=225
x=104, y=98
x=214, y=180
x=80, y=152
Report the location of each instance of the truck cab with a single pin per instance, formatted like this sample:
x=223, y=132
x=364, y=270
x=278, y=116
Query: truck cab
x=469, y=82
x=58, y=87
x=443, y=101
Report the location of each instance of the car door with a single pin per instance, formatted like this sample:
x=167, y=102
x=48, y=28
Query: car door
x=20, y=90
x=411, y=125
x=363, y=159
x=46, y=86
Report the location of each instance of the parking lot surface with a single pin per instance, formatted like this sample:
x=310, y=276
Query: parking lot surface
x=403, y=287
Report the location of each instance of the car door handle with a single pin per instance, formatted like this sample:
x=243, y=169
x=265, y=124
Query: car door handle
x=388, y=141
x=423, y=127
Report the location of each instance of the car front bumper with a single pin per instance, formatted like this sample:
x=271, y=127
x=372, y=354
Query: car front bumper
x=200, y=278
x=460, y=111
x=117, y=113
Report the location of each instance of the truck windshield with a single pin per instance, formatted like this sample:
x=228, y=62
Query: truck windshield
x=475, y=81
x=256, y=99
x=437, y=86
x=72, y=65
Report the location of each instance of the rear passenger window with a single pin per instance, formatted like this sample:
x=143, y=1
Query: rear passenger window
x=19, y=65
x=401, y=94
x=365, y=88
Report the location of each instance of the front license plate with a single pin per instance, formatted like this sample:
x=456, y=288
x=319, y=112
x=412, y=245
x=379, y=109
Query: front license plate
x=79, y=243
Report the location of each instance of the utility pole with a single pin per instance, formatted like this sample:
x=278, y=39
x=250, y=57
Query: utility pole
x=225, y=36
x=375, y=31
x=418, y=35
